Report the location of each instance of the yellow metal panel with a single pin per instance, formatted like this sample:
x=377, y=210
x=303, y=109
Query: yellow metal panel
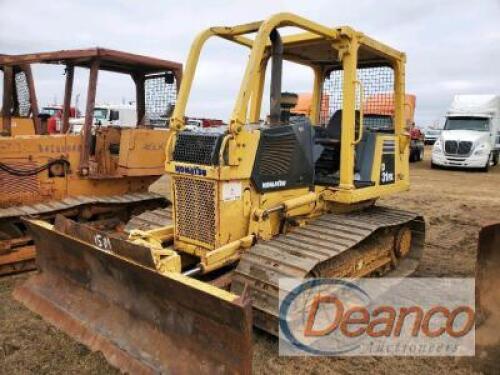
x=245, y=150
x=142, y=152
x=348, y=116
x=22, y=126
x=319, y=76
x=233, y=218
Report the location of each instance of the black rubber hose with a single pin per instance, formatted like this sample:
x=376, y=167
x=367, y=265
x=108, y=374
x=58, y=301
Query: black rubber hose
x=34, y=171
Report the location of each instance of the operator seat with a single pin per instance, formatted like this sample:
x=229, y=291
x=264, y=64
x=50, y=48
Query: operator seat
x=328, y=164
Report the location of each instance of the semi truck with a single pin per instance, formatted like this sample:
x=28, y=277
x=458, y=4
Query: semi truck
x=471, y=134
x=123, y=115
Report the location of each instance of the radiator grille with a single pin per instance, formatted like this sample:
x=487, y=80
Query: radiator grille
x=19, y=189
x=197, y=148
x=458, y=148
x=195, y=216
x=277, y=153
x=451, y=147
x=464, y=148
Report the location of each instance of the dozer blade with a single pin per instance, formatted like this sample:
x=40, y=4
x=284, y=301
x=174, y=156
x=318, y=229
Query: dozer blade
x=142, y=321
x=488, y=273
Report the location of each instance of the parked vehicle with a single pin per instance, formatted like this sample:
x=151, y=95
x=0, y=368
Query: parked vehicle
x=195, y=124
x=431, y=136
x=471, y=135
x=417, y=146
x=123, y=115
x=54, y=115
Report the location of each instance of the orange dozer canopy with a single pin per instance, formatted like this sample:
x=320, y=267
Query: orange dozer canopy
x=383, y=104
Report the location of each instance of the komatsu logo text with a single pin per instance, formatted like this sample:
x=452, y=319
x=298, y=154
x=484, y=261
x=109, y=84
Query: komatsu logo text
x=273, y=184
x=194, y=171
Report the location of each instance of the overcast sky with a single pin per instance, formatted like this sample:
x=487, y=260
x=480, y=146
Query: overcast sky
x=452, y=46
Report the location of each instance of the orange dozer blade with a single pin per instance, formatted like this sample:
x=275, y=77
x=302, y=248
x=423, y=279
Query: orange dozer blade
x=142, y=321
x=488, y=272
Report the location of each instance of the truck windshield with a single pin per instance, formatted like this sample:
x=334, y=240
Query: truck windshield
x=100, y=113
x=49, y=111
x=467, y=123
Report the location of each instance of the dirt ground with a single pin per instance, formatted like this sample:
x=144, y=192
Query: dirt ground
x=455, y=203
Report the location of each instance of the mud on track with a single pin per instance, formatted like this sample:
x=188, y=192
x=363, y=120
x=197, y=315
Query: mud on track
x=455, y=203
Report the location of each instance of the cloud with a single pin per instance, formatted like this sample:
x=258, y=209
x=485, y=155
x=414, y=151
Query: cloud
x=451, y=45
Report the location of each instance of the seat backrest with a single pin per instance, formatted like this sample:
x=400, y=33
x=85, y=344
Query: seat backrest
x=334, y=126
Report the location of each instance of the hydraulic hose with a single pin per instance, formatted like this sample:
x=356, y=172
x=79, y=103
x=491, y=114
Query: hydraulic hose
x=33, y=171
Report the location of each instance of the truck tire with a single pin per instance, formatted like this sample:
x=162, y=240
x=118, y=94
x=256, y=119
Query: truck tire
x=486, y=168
x=496, y=157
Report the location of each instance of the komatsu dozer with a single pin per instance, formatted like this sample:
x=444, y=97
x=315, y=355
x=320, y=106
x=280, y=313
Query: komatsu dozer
x=102, y=171
x=291, y=196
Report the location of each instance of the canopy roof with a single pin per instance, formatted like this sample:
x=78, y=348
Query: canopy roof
x=110, y=60
x=316, y=50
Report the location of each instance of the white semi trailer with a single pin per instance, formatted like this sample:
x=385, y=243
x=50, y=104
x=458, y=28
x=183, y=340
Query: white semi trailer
x=471, y=134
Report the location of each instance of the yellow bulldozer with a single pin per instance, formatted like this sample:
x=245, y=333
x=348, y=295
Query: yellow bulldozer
x=251, y=204
x=99, y=173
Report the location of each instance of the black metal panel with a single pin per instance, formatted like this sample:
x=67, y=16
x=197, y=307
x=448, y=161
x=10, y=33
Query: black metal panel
x=284, y=158
x=388, y=164
x=198, y=148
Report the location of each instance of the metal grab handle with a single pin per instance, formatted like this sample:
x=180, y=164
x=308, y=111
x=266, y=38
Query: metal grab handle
x=361, y=112
x=168, y=146
x=223, y=147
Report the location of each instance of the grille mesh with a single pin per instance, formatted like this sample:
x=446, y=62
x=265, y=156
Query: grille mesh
x=195, y=209
x=458, y=148
x=277, y=155
x=196, y=148
x=464, y=148
x=160, y=97
x=450, y=147
x=378, y=84
x=16, y=189
x=23, y=95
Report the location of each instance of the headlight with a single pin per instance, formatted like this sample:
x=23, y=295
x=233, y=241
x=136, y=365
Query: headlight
x=437, y=146
x=482, y=149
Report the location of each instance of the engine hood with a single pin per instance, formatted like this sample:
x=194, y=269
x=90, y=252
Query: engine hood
x=465, y=135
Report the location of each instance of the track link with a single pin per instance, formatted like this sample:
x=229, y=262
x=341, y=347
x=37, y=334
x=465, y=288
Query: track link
x=149, y=220
x=17, y=254
x=325, y=244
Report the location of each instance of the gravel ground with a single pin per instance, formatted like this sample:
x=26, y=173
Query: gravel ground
x=455, y=203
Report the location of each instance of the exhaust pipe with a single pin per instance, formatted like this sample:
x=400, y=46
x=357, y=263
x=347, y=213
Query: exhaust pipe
x=276, y=72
